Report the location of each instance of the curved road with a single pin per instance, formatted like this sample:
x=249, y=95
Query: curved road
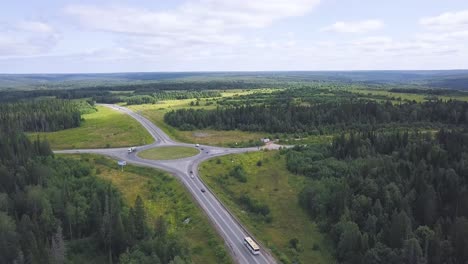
x=186, y=170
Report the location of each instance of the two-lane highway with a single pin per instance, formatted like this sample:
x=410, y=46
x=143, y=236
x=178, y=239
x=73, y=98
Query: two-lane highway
x=226, y=224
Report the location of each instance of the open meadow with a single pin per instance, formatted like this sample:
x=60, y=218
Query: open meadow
x=386, y=94
x=268, y=183
x=105, y=128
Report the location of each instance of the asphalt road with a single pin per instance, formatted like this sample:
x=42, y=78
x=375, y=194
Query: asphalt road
x=228, y=227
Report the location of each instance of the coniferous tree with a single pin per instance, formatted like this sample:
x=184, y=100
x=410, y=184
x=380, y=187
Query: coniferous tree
x=140, y=219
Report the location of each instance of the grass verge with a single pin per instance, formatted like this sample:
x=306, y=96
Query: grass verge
x=268, y=183
x=104, y=128
x=164, y=195
x=168, y=153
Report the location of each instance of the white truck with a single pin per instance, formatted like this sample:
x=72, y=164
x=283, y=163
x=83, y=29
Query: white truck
x=132, y=149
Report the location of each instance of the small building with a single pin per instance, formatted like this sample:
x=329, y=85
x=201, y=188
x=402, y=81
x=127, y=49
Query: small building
x=265, y=140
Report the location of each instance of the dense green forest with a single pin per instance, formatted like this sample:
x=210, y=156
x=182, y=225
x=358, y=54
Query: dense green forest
x=104, y=94
x=139, y=99
x=339, y=114
x=46, y=203
x=389, y=197
x=43, y=115
x=427, y=91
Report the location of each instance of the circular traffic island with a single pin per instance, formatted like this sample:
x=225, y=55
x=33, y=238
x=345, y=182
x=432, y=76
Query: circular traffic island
x=168, y=153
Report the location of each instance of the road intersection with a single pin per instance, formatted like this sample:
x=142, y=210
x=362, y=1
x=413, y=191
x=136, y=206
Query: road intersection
x=186, y=170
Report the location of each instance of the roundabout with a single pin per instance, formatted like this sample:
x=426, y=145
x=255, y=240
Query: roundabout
x=182, y=161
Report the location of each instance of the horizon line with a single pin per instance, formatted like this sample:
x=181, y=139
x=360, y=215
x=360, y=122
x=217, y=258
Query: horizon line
x=232, y=71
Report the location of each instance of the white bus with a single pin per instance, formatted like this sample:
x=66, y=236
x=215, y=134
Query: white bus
x=251, y=245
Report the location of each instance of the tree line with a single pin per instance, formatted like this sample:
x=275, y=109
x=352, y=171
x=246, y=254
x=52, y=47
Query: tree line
x=447, y=92
x=394, y=197
x=292, y=118
x=42, y=115
x=106, y=92
x=138, y=99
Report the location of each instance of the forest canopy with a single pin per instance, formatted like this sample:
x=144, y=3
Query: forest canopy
x=292, y=118
x=47, y=202
x=43, y=115
x=389, y=197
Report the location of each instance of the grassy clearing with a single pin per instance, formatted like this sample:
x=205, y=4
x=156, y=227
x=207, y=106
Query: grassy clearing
x=164, y=195
x=235, y=93
x=270, y=184
x=405, y=96
x=314, y=139
x=155, y=113
x=104, y=128
x=168, y=153
x=219, y=137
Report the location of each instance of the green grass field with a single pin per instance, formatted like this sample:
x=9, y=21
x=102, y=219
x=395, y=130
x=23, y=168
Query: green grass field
x=168, y=153
x=164, y=195
x=104, y=128
x=155, y=113
x=405, y=96
x=273, y=185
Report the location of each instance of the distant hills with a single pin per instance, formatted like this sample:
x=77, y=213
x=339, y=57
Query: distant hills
x=449, y=79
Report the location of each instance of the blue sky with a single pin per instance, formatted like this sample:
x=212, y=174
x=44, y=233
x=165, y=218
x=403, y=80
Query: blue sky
x=65, y=36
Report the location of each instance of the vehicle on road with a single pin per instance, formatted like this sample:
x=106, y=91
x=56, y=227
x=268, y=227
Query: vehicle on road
x=191, y=176
x=203, y=190
x=252, y=245
x=132, y=149
x=197, y=145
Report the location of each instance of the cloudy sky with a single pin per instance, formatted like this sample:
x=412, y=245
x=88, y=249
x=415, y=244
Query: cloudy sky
x=60, y=36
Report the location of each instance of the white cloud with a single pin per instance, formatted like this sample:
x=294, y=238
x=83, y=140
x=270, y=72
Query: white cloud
x=247, y=13
x=228, y=35
x=198, y=28
x=388, y=47
x=437, y=37
x=355, y=26
x=27, y=38
x=445, y=33
x=205, y=17
x=447, y=21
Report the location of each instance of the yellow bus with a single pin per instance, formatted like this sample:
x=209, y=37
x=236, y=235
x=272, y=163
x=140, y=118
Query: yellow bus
x=251, y=245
